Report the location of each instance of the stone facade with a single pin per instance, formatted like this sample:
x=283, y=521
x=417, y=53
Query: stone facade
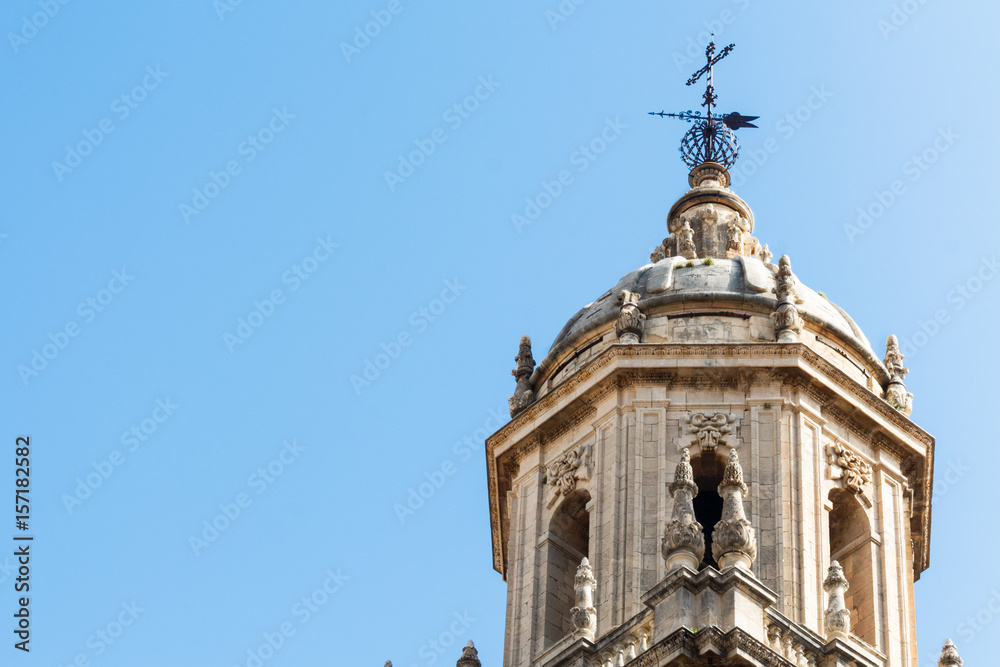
x=721, y=399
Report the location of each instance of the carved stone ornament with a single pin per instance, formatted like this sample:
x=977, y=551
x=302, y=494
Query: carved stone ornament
x=838, y=616
x=524, y=393
x=786, y=318
x=850, y=469
x=711, y=429
x=470, y=656
x=684, y=538
x=949, y=656
x=896, y=394
x=765, y=254
x=584, y=615
x=657, y=253
x=631, y=320
x=734, y=542
x=571, y=467
x=734, y=237
x=685, y=241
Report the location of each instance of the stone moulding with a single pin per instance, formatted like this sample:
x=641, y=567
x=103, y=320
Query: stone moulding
x=610, y=372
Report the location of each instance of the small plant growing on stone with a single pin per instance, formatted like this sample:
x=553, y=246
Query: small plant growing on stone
x=822, y=294
x=708, y=261
x=690, y=263
x=767, y=406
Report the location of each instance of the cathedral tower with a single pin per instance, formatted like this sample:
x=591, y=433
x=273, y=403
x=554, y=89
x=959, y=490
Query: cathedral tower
x=711, y=465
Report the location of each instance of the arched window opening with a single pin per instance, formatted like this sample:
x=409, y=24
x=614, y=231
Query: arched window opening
x=568, y=543
x=851, y=545
x=708, y=468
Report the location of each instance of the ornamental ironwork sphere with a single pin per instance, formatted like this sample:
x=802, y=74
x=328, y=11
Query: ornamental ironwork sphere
x=709, y=141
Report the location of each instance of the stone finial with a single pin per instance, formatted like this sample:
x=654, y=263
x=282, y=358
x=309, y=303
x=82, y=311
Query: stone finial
x=524, y=393
x=685, y=241
x=684, y=538
x=765, y=254
x=838, y=616
x=949, y=656
x=470, y=656
x=584, y=615
x=734, y=542
x=787, y=322
x=896, y=394
x=388, y=663
x=630, y=319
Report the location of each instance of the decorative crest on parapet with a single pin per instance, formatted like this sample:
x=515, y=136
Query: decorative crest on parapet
x=711, y=138
x=949, y=656
x=524, y=393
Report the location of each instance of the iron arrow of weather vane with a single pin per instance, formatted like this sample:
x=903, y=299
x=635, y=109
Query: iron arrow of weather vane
x=712, y=138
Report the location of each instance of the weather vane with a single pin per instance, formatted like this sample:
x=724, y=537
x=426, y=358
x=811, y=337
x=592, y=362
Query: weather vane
x=711, y=139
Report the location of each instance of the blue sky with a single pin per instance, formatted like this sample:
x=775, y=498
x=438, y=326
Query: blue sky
x=199, y=225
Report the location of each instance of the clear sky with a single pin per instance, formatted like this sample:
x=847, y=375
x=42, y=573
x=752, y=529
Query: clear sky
x=202, y=246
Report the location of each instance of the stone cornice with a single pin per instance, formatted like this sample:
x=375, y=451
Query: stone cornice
x=682, y=365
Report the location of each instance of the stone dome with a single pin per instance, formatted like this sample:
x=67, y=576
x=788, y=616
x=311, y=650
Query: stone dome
x=711, y=282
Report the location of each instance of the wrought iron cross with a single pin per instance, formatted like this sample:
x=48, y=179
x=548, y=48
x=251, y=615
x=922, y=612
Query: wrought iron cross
x=709, y=140
x=710, y=96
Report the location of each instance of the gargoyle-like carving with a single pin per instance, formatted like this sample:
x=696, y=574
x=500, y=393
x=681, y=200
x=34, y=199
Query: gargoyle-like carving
x=787, y=322
x=852, y=471
x=657, y=254
x=584, y=615
x=838, y=616
x=631, y=320
x=571, y=467
x=524, y=393
x=710, y=429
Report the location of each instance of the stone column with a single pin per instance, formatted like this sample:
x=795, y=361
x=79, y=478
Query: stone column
x=838, y=616
x=734, y=543
x=684, y=538
x=584, y=615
